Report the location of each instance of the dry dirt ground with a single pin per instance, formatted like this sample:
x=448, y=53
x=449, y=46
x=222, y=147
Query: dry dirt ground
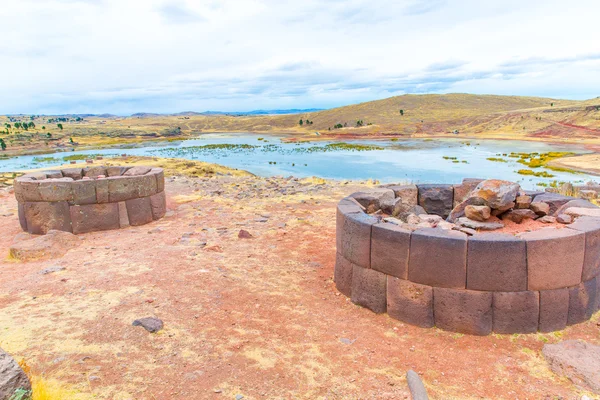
x=255, y=317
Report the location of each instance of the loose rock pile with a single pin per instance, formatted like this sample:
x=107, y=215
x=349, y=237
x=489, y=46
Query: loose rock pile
x=488, y=206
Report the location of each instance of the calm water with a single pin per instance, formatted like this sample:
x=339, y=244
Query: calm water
x=403, y=160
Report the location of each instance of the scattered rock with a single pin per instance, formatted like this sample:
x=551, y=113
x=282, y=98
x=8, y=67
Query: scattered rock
x=577, y=360
x=498, y=194
x=437, y=199
x=519, y=215
x=564, y=218
x=243, y=234
x=52, y=245
x=150, y=324
x=540, y=208
x=466, y=230
x=547, y=219
x=459, y=210
x=416, y=387
x=347, y=341
x=577, y=203
x=373, y=199
x=478, y=213
x=523, y=201
x=484, y=226
x=12, y=377
x=50, y=270
x=554, y=200
x=431, y=218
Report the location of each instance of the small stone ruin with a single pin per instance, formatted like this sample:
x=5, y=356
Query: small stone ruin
x=479, y=257
x=97, y=198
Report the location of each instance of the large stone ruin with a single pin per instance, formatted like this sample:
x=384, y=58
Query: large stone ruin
x=97, y=198
x=476, y=258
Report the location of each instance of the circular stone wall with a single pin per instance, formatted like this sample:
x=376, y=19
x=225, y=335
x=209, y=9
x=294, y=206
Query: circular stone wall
x=97, y=198
x=541, y=280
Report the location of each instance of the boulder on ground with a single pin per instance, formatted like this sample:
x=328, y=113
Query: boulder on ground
x=540, y=208
x=12, y=377
x=52, y=245
x=523, y=201
x=554, y=200
x=577, y=360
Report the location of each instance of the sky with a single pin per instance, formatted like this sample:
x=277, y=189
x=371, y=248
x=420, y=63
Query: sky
x=127, y=56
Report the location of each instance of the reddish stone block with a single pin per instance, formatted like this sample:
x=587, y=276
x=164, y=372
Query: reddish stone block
x=390, y=246
x=159, y=174
x=102, y=191
x=73, y=173
x=84, y=192
x=121, y=188
x=554, y=258
x=554, y=309
x=56, y=189
x=22, y=219
x=27, y=190
x=146, y=185
x=94, y=172
x=464, y=311
x=139, y=170
x=123, y=217
x=438, y=258
x=158, y=202
x=496, y=262
x=354, y=234
x=342, y=275
x=139, y=211
x=437, y=199
x=410, y=302
x=591, y=261
x=95, y=217
x=116, y=171
x=583, y=301
x=516, y=312
x=42, y=217
x=369, y=289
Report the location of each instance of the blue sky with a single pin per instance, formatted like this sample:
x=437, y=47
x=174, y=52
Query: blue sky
x=126, y=56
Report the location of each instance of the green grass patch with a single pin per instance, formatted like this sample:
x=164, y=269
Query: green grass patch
x=539, y=174
x=496, y=159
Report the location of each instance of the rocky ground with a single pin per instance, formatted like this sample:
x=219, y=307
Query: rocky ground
x=252, y=314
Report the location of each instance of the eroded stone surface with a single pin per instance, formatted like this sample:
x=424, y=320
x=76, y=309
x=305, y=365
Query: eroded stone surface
x=577, y=360
x=369, y=289
x=410, y=302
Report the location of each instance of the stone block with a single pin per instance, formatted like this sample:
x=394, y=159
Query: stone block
x=159, y=174
x=437, y=199
x=43, y=216
x=554, y=258
x=139, y=170
x=496, y=262
x=438, y=258
x=146, y=185
x=56, y=189
x=84, y=192
x=102, y=194
x=369, y=289
x=408, y=194
x=464, y=311
x=354, y=234
x=123, y=217
x=95, y=217
x=94, y=172
x=139, y=211
x=591, y=261
x=410, y=302
x=554, y=309
x=22, y=219
x=158, y=202
x=516, y=312
x=27, y=190
x=582, y=301
x=73, y=173
x=342, y=275
x=390, y=246
x=116, y=171
x=372, y=199
x=121, y=188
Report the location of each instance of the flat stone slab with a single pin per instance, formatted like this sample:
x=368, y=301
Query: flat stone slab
x=577, y=360
x=482, y=226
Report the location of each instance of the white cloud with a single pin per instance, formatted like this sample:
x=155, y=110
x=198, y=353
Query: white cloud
x=124, y=56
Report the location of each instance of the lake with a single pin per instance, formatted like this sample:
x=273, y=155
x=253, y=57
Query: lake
x=403, y=160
